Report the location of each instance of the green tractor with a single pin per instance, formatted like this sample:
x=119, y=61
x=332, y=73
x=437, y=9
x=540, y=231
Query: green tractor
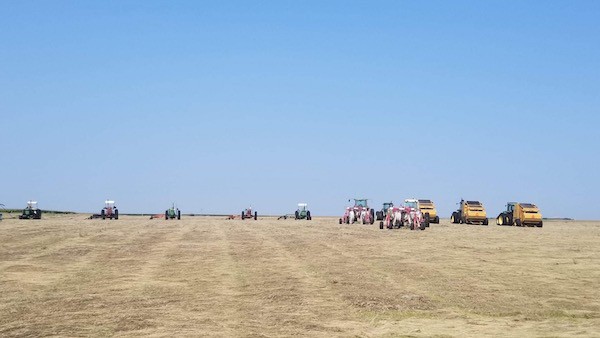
x=31, y=211
x=303, y=212
x=173, y=213
x=380, y=215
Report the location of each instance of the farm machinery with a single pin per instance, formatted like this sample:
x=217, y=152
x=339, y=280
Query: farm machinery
x=408, y=215
x=31, y=211
x=360, y=212
x=380, y=215
x=470, y=212
x=520, y=214
x=427, y=207
x=247, y=214
x=302, y=212
x=109, y=211
x=172, y=213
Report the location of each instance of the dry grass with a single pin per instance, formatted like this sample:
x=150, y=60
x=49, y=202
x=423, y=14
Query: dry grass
x=68, y=276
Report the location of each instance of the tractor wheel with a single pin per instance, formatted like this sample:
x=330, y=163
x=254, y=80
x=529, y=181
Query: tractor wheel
x=518, y=222
x=340, y=221
x=424, y=225
x=103, y=214
x=297, y=215
x=372, y=216
x=255, y=215
x=452, y=219
x=540, y=224
x=379, y=215
x=500, y=220
x=243, y=215
x=308, y=218
x=178, y=214
x=381, y=225
x=116, y=214
x=167, y=215
x=486, y=221
x=427, y=220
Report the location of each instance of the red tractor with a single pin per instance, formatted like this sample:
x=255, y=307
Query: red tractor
x=110, y=210
x=247, y=214
x=360, y=213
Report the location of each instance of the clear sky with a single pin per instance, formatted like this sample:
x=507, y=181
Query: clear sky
x=218, y=105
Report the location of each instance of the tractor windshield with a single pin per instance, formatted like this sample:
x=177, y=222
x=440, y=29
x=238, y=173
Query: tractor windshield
x=360, y=203
x=411, y=204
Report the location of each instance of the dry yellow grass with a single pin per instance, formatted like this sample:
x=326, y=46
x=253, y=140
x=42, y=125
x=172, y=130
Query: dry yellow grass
x=68, y=276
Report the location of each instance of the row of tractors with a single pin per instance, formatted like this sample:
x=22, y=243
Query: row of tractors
x=413, y=214
x=420, y=213
x=109, y=211
x=519, y=214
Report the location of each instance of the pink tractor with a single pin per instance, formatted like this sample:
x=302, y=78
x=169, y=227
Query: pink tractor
x=247, y=214
x=407, y=215
x=360, y=212
x=393, y=218
x=413, y=217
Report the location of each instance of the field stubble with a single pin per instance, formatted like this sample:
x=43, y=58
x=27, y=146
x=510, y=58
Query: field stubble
x=65, y=275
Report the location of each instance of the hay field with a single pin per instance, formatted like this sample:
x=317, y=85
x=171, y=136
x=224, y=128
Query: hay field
x=68, y=276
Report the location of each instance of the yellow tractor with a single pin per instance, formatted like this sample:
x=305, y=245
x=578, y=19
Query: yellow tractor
x=427, y=207
x=520, y=214
x=470, y=212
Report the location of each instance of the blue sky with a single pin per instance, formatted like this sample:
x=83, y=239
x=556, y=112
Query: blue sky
x=218, y=105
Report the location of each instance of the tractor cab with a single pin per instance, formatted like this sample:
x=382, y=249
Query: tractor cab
x=413, y=204
x=362, y=203
x=510, y=206
x=387, y=205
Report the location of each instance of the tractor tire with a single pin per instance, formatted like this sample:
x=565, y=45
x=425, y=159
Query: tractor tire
x=540, y=224
x=500, y=220
x=178, y=214
x=423, y=225
x=427, y=220
x=308, y=217
x=167, y=215
x=372, y=216
x=297, y=215
x=436, y=220
x=255, y=215
x=116, y=214
x=379, y=215
x=486, y=221
x=340, y=221
x=381, y=225
x=103, y=214
x=243, y=216
x=452, y=220
x=518, y=222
